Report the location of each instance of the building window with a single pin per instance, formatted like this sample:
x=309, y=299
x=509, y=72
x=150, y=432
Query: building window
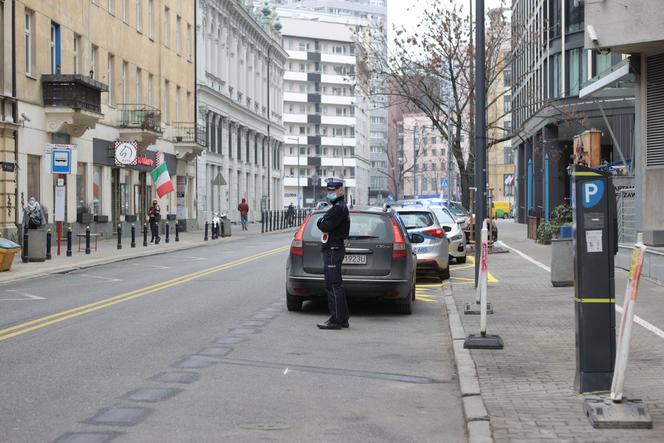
x=508, y=182
x=125, y=89
x=139, y=85
x=111, y=7
x=508, y=155
x=125, y=11
x=77, y=54
x=81, y=178
x=507, y=78
x=139, y=15
x=574, y=12
x=507, y=103
x=151, y=19
x=165, y=102
x=178, y=103
x=34, y=174
x=97, y=189
x=151, y=90
x=56, y=63
x=109, y=77
x=29, y=18
x=190, y=47
x=178, y=35
x=93, y=60
x=167, y=31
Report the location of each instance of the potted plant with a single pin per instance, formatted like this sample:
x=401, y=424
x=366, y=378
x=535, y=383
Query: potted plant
x=85, y=216
x=101, y=218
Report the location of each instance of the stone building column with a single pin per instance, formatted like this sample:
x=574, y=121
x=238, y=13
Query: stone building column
x=8, y=204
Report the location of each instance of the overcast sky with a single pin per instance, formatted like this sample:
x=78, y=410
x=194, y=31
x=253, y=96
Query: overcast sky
x=408, y=12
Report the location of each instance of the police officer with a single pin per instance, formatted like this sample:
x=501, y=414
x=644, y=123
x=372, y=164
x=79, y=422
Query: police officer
x=154, y=216
x=334, y=225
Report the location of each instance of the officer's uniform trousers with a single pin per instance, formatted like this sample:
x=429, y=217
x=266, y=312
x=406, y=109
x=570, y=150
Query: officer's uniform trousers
x=336, y=298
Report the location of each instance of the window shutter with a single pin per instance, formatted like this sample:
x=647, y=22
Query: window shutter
x=655, y=111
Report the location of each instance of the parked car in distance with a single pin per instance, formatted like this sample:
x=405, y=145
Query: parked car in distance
x=454, y=232
x=433, y=253
x=380, y=263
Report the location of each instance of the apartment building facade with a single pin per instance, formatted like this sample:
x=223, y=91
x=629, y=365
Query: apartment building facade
x=95, y=77
x=240, y=70
x=326, y=117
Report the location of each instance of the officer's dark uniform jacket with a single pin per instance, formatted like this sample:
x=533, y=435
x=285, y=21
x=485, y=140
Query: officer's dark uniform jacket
x=336, y=222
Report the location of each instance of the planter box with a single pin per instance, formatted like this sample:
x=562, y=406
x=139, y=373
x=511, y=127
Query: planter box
x=171, y=217
x=101, y=218
x=85, y=218
x=131, y=218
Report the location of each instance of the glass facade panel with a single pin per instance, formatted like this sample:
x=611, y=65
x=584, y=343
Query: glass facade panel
x=97, y=190
x=81, y=177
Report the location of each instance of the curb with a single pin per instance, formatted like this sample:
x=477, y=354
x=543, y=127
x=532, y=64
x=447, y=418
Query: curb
x=477, y=417
x=105, y=261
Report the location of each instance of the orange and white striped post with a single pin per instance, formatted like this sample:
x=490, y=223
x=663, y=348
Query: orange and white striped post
x=627, y=320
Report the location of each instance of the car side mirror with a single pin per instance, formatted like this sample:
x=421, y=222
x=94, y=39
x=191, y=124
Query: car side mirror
x=416, y=238
x=447, y=228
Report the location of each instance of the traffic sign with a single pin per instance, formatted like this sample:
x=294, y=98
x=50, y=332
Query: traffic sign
x=61, y=161
x=444, y=182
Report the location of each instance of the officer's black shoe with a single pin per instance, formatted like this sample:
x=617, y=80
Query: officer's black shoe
x=345, y=324
x=329, y=325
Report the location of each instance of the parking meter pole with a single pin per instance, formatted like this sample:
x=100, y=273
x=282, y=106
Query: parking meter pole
x=145, y=235
x=483, y=340
x=168, y=230
x=177, y=230
x=119, y=235
x=133, y=236
x=48, y=244
x=205, y=237
x=627, y=320
x=596, y=243
x=69, y=241
x=87, y=239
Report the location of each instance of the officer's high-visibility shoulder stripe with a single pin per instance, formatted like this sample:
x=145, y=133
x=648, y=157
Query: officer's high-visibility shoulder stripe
x=595, y=300
x=586, y=174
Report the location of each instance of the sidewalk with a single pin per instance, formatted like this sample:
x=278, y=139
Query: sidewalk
x=527, y=387
x=107, y=252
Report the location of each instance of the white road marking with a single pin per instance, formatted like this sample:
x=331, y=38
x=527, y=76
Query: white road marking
x=152, y=266
x=286, y=371
x=638, y=320
x=25, y=295
x=194, y=258
x=108, y=279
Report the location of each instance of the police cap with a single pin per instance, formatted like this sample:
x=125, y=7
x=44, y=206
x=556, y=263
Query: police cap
x=334, y=183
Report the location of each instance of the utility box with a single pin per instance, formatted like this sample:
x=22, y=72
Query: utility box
x=36, y=245
x=595, y=245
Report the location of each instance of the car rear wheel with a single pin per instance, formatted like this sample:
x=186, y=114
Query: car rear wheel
x=444, y=274
x=461, y=259
x=504, y=216
x=406, y=308
x=293, y=303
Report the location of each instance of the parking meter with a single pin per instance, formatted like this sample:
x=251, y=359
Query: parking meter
x=595, y=244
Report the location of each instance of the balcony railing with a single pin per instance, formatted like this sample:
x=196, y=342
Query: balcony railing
x=145, y=117
x=184, y=132
x=74, y=91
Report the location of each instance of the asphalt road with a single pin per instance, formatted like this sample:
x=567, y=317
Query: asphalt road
x=197, y=345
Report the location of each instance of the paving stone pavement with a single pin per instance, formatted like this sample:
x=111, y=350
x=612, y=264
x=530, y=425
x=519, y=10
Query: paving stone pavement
x=528, y=386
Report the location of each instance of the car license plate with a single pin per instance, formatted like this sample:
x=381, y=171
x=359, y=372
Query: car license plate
x=421, y=250
x=355, y=260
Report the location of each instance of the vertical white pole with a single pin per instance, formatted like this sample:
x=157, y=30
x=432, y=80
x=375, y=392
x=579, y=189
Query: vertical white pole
x=482, y=284
x=627, y=320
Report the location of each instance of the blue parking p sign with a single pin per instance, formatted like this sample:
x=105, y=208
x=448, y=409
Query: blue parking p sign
x=61, y=161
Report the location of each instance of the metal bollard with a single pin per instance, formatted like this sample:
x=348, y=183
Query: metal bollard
x=168, y=230
x=48, y=244
x=133, y=236
x=69, y=241
x=177, y=230
x=87, y=239
x=262, y=222
x=145, y=234
x=119, y=235
x=205, y=238
x=24, y=251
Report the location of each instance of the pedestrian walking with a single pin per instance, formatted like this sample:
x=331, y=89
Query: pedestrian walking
x=334, y=225
x=243, y=207
x=154, y=217
x=290, y=214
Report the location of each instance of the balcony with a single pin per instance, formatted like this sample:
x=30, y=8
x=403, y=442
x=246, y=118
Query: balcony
x=72, y=103
x=189, y=138
x=139, y=122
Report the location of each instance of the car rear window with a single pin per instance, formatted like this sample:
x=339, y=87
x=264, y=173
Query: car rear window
x=417, y=219
x=443, y=215
x=361, y=226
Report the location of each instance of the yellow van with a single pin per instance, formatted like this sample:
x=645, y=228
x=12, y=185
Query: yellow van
x=500, y=209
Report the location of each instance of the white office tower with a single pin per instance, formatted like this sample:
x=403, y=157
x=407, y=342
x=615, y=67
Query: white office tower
x=326, y=112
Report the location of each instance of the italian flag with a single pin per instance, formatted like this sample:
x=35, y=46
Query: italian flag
x=162, y=180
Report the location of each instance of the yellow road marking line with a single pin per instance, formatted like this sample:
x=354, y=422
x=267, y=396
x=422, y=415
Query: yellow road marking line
x=47, y=320
x=429, y=300
x=491, y=278
x=595, y=300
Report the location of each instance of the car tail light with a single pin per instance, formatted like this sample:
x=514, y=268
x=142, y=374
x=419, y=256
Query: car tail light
x=296, y=246
x=436, y=232
x=399, y=247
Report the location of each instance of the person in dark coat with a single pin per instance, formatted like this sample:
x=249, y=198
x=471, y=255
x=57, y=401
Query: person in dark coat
x=335, y=226
x=154, y=217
